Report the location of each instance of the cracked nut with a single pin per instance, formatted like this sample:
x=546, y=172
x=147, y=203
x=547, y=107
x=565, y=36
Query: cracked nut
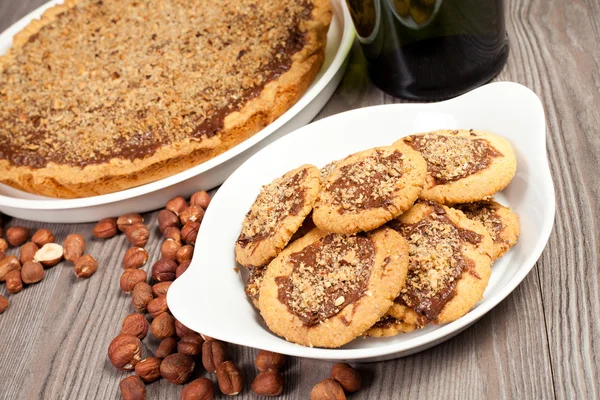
x=85, y=266
x=130, y=278
x=32, y=272
x=136, y=325
x=8, y=264
x=27, y=252
x=3, y=304
x=42, y=237
x=185, y=253
x=183, y=330
x=268, y=383
x=327, y=389
x=141, y=296
x=17, y=235
x=177, y=368
x=176, y=205
x=214, y=353
x=182, y=268
x=269, y=360
x=167, y=219
x=132, y=388
x=161, y=288
x=199, y=389
x=170, y=248
x=14, y=284
x=49, y=254
x=74, y=246
x=105, y=228
x=229, y=378
x=166, y=347
x=190, y=344
x=347, y=377
x=125, y=351
x=163, y=326
x=158, y=306
x=137, y=234
x=192, y=214
x=3, y=245
x=135, y=257
x=189, y=232
x=172, y=232
x=148, y=369
x=126, y=220
x=164, y=270
x=201, y=198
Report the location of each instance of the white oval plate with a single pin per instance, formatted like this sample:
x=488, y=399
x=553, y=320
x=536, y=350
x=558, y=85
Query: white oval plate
x=204, y=176
x=209, y=297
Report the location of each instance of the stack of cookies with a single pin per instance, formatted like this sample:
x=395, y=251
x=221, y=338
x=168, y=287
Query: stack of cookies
x=387, y=240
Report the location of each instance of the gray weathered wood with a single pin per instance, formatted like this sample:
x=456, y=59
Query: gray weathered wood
x=543, y=341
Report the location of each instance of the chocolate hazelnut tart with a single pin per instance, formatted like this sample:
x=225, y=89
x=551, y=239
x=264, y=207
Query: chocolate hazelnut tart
x=100, y=96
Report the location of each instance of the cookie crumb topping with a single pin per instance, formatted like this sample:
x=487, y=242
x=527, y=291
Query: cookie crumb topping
x=326, y=276
x=281, y=198
x=450, y=158
x=255, y=279
x=368, y=183
x=436, y=261
x=486, y=213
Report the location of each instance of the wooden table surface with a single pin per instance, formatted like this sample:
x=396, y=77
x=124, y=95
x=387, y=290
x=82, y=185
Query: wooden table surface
x=542, y=342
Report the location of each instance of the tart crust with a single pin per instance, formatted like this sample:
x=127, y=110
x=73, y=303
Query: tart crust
x=276, y=97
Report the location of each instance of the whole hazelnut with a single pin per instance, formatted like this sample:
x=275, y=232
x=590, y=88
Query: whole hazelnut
x=268, y=360
x=132, y=388
x=191, y=345
x=327, y=389
x=8, y=264
x=141, y=296
x=85, y=266
x=183, y=330
x=169, y=249
x=268, y=383
x=185, y=253
x=148, y=369
x=201, y=199
x=161, y=288
x=125, y=351
x=17, y=235
x=157, y=306
x=126, y=220
x=137, y=234
x=3, y=304
x=176, y=205
x=27, y=252
x=177, y=368
x=182, y=268
x=136, y=325
x=167, y=219
x=49, y=254
x=172, y=232
x=199, y=389
x=130, y=278
x=3, y=245
x=192, y=214
x=135, y=257
x=32, y=272
x=229, y=378
x=214, y=353
x=163, y=326
x=14, y=284
x=74, y=246
x=166, y=347
x=42, y=237
x=347, y=377
x=105, y=228
x=189, y=232
x=164, y=270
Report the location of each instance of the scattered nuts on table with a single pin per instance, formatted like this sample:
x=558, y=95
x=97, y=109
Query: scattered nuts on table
x=105, y=228
x=161, y=288
x=199, y=389
x=164, y=270
x=132, y=388
x=177, y=368
x=32, y=272
x=125, y=351
x=130, y=278
x=27, y=252
x=163, y=326
x=347, y=377
x=201, y=198
x=3, y=304
x=85, y=266
x=191, y=345
x=170, y=248
x=125, y=221
x=17, y=235
x=327, y=389
x=269, y=360
x=158, y=306
x=149, y=369
x=192, y=214
x=166, y=347
x=14, y=284
x=3, y=245
x=268, y=383
x=49, y=254
x=167, y=219
x=74, y=246
x=172, y=232
x=176, y=205
x=42, y=236
x=214, y=353
x=8, y=264
x=141, y=296
x=137, y=234
x=185, y=253
x=136, y=325
x=229, y=378
x=182, y=268
x=135, y=257
x=189, y=232
x=181, y=330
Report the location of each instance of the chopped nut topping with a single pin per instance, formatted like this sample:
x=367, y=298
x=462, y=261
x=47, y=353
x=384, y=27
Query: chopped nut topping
x=254, y=281
x=486, y=213
x=368, y=183
x=450, y=158
x=118, y=78
x=326, y=276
